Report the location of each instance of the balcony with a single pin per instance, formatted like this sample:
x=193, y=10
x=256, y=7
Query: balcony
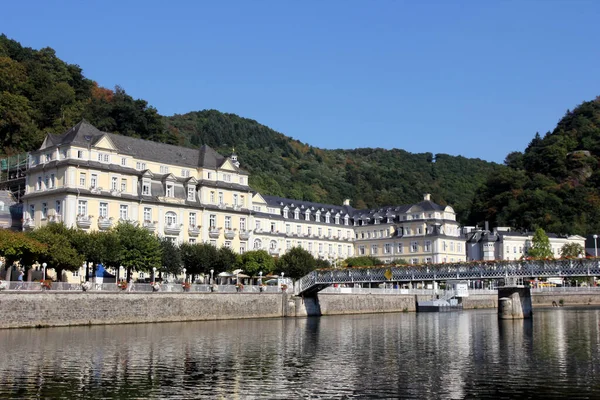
x=84, y=221
x=273, y=251
x=55, y=219
x=105, y=223
x=229, y=234
x=173, y=229
x=214, y=233
x=28, y=224
x=95, y=189
x=244, y=235
x=149, y=226
x=194, y=230
x=116, y=193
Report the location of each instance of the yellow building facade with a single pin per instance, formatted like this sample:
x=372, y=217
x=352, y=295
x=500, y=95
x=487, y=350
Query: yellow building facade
x=93, y=180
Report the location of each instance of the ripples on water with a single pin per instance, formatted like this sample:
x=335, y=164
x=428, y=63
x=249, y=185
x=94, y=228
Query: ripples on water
x=457, y=355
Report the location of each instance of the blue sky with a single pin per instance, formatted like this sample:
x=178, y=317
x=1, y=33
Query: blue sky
x=471, y=78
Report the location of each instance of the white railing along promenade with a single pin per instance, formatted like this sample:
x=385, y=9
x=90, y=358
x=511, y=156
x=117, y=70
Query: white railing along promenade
x=15, y=286
x=397, y=291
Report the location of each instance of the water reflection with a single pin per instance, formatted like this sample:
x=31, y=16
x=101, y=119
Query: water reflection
x=446, y=355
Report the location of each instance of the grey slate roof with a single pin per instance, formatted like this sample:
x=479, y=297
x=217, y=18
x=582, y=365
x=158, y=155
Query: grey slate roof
x=85, y=134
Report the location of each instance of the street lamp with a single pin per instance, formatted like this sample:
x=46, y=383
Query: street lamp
x=184, y=276
x=260, y=278
x=153, y=274
x=212, y=271
x=595, y=245
x=44, y=265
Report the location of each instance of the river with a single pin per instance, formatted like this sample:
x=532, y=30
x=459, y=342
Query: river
x=454, y=355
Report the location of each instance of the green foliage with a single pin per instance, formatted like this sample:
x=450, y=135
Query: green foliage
x=540, y=247
x=199, y=258
x=363, y=261
x=140, y=250
x=255, y=261
x=227, y=259
x=553, y=184
x=399, y=261
x=171, y=257
x=61, y=254
x=296, y=263
x=16, y=246
x=572, y=250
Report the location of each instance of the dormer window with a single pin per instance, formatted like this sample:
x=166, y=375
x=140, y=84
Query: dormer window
x=296, y=214
x=191, y=193
x=48, y=157
x=337, y=219
x=346, y=219
x=146, y=187
x=318, y=216
x=307, y=215
x=170, y=190
x=327, y=218
x=285, y=212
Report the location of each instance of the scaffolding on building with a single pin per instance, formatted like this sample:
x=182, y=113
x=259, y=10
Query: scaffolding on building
x=13, y=170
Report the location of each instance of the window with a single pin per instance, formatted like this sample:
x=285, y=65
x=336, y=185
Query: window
x=329, y=232
x=242, y=200
x=147, y=214
x=339, y=249
x=79, y=153
x=123, y=212
x=220, y=197
x=458, y=247
x=427, y=246
x=191, y=193
x=374, y=249
x=339, y=233
x=256, y=208
x=350, y=251
x=52, y=180
x=114, y=183
x=192, y=220
x=103, y=210
x=307, y=215
x=257, y=244
x=102, y=157
x=414, y=246
x=227, y=177
x=185, y=173
x=296, y=214
x=212, y=221
x=288, y=244
x=164, y=169
x=209, y=175
x=170, y=190
x=387, y=248
x=235, y=199
x=257, y=225
x=320, y=247
x=273, y=245
x=361, y=250
x=32, y=210
x=320, y=231
x=309, y=230
x=57, y=208
x=242, y=224
x=299, y=229
x=123, y=161
x=242, y=248
x=327, y=218
x=285, y=212
x=146, y=188
x=414, y=261
x=228, y=244
x=330, y=249
x=212, y=197
x=123, y=185
x=228, y=222
x=44, y=210
x=451, y=246
x=273, y=227
x=400, y=248
x=39, y=183
x=48, y=157
x=192, y=240
x=94, y=181
x=82, y=208
x=170, y=218
x=140, y=165
x=242, y=180
x=346, y=219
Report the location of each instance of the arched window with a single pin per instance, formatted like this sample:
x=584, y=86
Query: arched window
x=170, y=218
x=257, y=244
x=273, y=245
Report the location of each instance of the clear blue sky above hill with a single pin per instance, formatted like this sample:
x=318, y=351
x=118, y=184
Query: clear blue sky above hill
x=472, y=78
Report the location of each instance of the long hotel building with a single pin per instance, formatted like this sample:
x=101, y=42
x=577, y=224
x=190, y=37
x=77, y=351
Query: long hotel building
x=92, y=180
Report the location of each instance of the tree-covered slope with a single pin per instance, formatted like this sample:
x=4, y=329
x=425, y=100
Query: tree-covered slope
x=370, y=177
x=40, y=93
x=554, y=184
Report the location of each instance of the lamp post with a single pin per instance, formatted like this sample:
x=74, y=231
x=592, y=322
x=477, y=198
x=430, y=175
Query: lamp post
x=260, y=278
x=184, y=276
x=595, y=245
x=44, y=265
x=212, y=271
x=153, y=274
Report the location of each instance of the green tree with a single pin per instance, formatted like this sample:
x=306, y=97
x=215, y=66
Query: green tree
x=198, y=258
x=171, y=257
x=140, y=250
x=572, y=250
x=540, y=247
x=16, y=246
x=296, y=263
x=255, y=261
x=60, y=254
x=399, y=261
x=227, y=259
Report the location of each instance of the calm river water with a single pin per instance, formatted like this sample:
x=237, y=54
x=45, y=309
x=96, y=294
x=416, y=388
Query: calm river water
x=456, y=355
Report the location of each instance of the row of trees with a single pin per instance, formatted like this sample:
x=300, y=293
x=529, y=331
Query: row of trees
x=136, y=249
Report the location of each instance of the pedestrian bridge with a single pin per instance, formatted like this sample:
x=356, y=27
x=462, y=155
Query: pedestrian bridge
x=320, y=279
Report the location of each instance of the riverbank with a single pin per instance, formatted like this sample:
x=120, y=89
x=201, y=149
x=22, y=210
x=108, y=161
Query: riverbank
x=46, y=309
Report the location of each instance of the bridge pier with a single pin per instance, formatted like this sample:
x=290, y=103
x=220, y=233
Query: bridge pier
x=514, y=302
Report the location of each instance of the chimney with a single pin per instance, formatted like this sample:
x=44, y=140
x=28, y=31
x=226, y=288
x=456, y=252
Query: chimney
x=427, y=197
x=346, y=202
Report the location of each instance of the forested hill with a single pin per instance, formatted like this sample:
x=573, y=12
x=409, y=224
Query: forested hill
x=369, y=177
x=40, y=93
x=554, y=183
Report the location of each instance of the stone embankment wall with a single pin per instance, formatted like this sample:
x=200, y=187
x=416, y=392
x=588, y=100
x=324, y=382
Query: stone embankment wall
x=337, y=304
x=569, y=299
x=78, y=308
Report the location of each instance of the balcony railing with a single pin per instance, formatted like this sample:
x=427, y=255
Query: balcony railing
x=105, y=223
x=84, y=221
x=173, y=229
x=214, y=233
x=229, y=234
x=194, y=231
x=149, y=226
x=56, y=218
x=273, y=251
x=244, y=235
x=28, y=224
